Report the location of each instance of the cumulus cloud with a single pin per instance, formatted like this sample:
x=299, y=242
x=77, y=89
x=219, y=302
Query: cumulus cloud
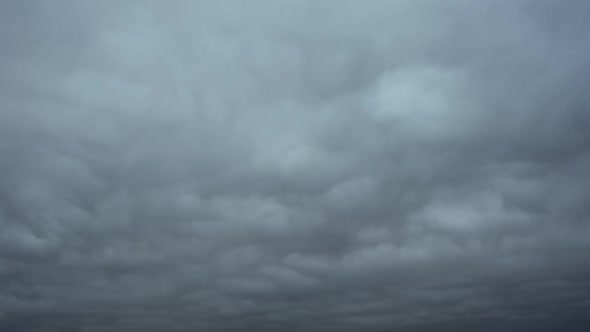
x=294, y=165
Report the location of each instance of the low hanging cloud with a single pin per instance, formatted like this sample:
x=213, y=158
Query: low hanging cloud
x=294, y=165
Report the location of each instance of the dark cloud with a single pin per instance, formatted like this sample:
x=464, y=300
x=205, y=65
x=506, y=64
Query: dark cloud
x=294, y=165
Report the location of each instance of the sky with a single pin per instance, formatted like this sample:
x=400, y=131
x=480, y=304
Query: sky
x=294, y=165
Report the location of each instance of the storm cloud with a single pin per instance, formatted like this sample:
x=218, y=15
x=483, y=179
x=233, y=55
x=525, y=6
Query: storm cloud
x=282, y=165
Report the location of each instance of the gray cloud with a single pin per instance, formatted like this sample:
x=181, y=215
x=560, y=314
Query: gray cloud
x=294, y=165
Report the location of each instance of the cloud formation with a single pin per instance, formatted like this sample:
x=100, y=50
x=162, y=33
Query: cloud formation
x=281, y=165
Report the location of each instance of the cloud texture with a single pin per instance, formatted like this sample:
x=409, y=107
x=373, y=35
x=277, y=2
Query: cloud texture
x=281, y=165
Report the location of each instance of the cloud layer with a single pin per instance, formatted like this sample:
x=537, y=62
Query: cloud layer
x=294, y=165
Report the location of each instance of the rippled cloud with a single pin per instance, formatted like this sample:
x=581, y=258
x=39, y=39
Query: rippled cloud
x=294, y=165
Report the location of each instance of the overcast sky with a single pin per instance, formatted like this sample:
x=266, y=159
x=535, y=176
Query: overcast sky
x=294, y=165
